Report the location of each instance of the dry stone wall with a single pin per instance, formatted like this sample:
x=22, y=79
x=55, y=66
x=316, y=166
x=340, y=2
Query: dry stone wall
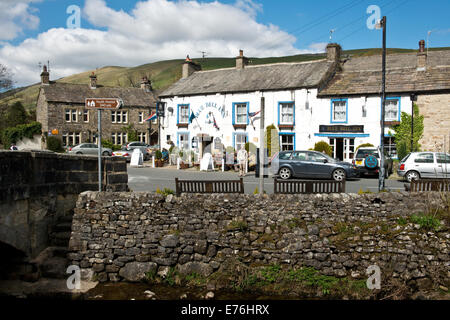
x=118, y=236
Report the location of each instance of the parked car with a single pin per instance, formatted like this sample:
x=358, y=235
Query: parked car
x=89, y=148
x=367, y=160
x=418, y=165
x=311, y=164
x=123, y=153
x=145, y=148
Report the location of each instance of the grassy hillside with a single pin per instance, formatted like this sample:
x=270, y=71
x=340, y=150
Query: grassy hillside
x=165, y=73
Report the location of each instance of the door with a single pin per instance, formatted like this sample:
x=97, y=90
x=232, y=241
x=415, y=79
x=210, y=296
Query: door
x=443, y=165
x=299, y=163
x=340, y=149
x=424, y=164
x=319, y=166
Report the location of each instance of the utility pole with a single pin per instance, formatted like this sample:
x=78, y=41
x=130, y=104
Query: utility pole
x=99, y=150
x=413, y=98
x=383, y=105
x=261, y=149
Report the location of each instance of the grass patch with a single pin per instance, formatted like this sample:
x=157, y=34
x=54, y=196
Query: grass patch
x=165, y=192
x=237, y=225
x=426, y=221
x=402, y=221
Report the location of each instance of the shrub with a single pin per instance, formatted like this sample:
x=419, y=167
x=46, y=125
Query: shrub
x=364, y=145
x=54, y=144
x=250, y=147
x=14, y=134
x=322, y=146
x=165, y=192
x=158, y=155
x=110, y=145
x=427, y=222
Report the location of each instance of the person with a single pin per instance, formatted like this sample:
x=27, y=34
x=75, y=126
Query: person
x=242, y=159
x=13, y=147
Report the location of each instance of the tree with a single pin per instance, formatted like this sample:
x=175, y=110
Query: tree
x=16, y=114
x=403, y=133
x=271, y=138
x=131, y=133
x=6, y=82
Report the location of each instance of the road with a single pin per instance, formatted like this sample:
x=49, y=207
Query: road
x=149, y=179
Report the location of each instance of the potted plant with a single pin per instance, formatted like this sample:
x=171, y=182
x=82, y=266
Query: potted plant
x=183, y=164
x=159, y=162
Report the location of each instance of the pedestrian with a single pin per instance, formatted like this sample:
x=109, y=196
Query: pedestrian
x=13, y=147
x=242, y=159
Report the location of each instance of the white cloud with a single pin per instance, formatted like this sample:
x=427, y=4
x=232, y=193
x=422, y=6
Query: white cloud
x=318, y=46
x=154, y=30
x=15, y=16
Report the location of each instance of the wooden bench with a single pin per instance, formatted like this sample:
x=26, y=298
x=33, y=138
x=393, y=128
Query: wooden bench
x=213, y=186
x=305, y=186
x=430, y=185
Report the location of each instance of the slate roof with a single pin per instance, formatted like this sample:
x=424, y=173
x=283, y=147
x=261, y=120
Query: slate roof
x=77, y=93
x=362, y=75
x=277, y=76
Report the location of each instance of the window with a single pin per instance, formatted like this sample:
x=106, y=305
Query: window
x=442, y=158
x=286, y=115
x=240, y=113
x=285, y=155
x=339, y=111
x=142, y=137
x=316, y=157
x=183, y=113
x=71, y=138
x=300, y=156
x=119, y=116
x=391, y=110
x=86, y=115
x=424, y=158
x=240, y=140
x=71, y=115
x=286, y=142
x=183, y=141
x=141, y=117
x=119, y=138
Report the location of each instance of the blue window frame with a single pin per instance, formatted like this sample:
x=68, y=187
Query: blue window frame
x=392, y=110
x=183, y=141
x=236, y=143
x=286, y=112
x=238, y=112
x=339, y=111
x=287, y=141
x=183, y=113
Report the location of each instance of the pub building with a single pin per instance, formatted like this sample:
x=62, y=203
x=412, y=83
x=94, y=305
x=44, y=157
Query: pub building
x=335, y=99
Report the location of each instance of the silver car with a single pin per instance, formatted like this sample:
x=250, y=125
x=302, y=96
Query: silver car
x=89, y=148
x=419, y=165
x=130, y=146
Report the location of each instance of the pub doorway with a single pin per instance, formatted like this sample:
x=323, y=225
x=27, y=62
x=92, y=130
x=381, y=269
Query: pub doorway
x=342, y=148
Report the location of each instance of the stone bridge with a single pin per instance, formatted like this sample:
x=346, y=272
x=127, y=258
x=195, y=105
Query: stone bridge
x=37, y=188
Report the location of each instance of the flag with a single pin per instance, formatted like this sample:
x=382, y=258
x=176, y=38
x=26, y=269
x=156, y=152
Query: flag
x=252, y=114
x=151, y=117
x=215, y=123
x=192, y=117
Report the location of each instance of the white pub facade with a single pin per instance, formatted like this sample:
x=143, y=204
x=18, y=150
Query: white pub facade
x=306, y=101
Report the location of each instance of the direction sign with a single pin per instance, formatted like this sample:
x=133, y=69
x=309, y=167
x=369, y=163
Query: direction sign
x=103, y=103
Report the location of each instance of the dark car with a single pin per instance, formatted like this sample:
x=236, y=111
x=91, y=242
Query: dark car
x=311, y=164
x=368, y=162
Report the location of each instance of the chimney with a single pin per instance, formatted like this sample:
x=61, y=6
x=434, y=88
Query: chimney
x=241, y=61
x=45, y=76
x=146, y=84
x=189, y=67
x=421, y=57
x=333, y=52
x=93, y=78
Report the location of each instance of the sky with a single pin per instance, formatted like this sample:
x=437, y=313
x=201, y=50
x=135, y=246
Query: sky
x=130, y=32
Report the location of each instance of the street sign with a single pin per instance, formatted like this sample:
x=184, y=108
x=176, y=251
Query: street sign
x=103, y=103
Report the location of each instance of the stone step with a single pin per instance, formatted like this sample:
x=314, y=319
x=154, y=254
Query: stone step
x=63, y=226
x=58, y=251
x=65, y=219
x=59, y=242
x=54, y=267
x=61, y=235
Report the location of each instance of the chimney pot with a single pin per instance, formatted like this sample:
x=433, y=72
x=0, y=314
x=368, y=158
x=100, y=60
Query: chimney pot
x=189, y=67
x=333, y=52
x=421, y=57
x=422, y=46
x=146, y=84
x=241, y=60
x=241, y=53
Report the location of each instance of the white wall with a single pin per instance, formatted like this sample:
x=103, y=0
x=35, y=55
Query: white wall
x=307, y=121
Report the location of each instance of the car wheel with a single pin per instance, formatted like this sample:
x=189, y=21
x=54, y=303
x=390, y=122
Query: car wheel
x=338, y=175
x=105, y=154
x=285, y=173
x=412, y=175
x=79, y=152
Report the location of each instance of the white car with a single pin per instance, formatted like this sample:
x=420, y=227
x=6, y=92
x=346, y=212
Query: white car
x=419, y=165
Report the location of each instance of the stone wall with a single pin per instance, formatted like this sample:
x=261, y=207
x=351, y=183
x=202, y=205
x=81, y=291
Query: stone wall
x=37, y=188
x=436, y=111
x=123, y=235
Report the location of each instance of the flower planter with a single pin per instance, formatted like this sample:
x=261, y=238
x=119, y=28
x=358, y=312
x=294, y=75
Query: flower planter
x=159, y=163
x=184, y=165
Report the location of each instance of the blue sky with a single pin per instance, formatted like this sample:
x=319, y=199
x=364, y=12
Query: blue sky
x=36, y=31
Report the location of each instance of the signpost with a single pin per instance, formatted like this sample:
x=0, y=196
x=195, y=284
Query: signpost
x=100, y=104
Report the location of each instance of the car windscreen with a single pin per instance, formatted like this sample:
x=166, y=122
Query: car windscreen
x=284, y=155
x=364, y=153
x=405, y=158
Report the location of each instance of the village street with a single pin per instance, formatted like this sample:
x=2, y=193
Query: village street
x=149, y=179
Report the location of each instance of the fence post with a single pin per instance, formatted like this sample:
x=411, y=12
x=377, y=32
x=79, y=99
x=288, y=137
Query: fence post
x=177, y=187
x=275, y=185
x=241, y=182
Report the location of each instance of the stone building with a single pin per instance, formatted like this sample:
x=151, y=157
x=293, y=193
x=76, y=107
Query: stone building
x=62, y=113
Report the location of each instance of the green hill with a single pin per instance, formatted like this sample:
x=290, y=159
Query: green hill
x=164, y=73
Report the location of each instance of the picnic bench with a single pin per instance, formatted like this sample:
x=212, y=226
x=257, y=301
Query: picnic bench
x=308, y=186
x=209, y=186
